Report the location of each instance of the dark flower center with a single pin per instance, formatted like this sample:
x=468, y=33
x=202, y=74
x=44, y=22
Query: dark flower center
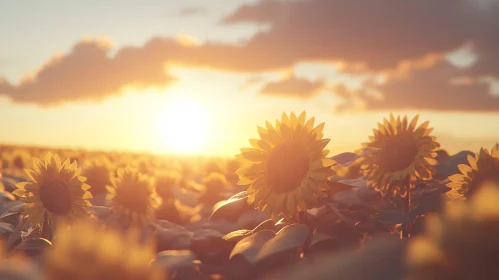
x=398, y=153
x=19, y=162
x=287, y=166
x=55, y=196
x=480, y=177
x=136, y=200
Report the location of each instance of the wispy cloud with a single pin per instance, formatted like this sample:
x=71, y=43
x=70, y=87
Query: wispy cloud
x=193, y=11
x=293, y=86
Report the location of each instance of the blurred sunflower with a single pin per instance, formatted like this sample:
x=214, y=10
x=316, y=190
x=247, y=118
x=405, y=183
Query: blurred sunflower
x=216, y=182
x=462, y=244
x=482, y=167
x=286, y=166
x=98, y=174
x=404, y=152
x=132, y=197
x=20, y=159
x=165, y=182
x=90, y=252
x=216, y=187
x=17, y=267
x=56, y=191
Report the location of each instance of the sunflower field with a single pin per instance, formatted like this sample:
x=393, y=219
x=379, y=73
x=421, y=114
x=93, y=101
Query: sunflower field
x=399, y=207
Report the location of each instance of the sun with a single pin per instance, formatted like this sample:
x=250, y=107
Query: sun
x=183, y=126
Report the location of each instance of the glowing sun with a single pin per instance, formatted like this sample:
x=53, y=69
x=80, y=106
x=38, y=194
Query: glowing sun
x=183, y=125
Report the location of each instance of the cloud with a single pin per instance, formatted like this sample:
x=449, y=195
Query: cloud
x=384, y=36
x=87, y=73
x=443, y=87
x=193, y=11
x=255, y=80
x=374, y=35
x=293, y=86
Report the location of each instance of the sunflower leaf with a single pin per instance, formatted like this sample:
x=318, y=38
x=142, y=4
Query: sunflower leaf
x=337, y=187
x=289, y=238
x=348, y=158
x=178, y=264
x=431, y=203
x=33, y=247
x=232, y=208
x=268, y=224
x=321, y=243
x=237, y=235
x=392, y=217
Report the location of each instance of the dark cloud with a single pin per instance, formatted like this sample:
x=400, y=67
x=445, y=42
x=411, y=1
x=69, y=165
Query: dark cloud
x=88, y=73
x=442, y=87
x=293, y=86
x=193, y=11
x=377, y=35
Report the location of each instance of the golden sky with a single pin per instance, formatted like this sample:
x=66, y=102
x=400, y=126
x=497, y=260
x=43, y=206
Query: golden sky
x=198, y=77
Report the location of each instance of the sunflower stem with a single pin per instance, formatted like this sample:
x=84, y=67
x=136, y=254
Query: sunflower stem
x=404, y=233
x=302, y=218
x=46, y=229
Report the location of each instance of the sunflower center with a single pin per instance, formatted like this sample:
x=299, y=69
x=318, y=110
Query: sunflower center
x=480, y=177
x=399, y=153
x=287, y=166
x=55, y=196
x=136, y=201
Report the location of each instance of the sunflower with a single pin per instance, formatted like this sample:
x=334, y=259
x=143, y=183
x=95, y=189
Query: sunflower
x=404, y=152
x=90, y=252
x=132, y=197
x=20, y=159
x=462, y=244
x=483, y=166
x=216, y=187
x=165, y=182
x=286, y=167
x=98, y=174
x=56, y=191
x=17, y=266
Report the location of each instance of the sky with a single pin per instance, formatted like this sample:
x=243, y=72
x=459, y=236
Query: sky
x=198, y=77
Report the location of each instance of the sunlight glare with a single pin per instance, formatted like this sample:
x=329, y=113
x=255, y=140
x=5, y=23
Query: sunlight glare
x=183, y=125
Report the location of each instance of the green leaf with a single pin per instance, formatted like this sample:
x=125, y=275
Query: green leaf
x=427, y=204
x=178, y=264
x=6, y=228
x=321, y=243
x=291, y=237
x=268, y=224
x=250, y=246
x=392, y=217
x=232, y=208
x=33, y=247
x=237, y=235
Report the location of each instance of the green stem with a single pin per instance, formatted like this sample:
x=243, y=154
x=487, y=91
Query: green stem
x=404, y=233
x=302, y=218
x=46, y=229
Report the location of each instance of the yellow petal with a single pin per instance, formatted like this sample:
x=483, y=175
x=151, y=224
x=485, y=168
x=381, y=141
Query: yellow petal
x=310, y=124
x=254, y=143
x=465, y=169
x=293, y=119
x=252, y=154
x=472, y=162
x=19, y=192
x=412, y=125
x=285, y=119
x=301, y=118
